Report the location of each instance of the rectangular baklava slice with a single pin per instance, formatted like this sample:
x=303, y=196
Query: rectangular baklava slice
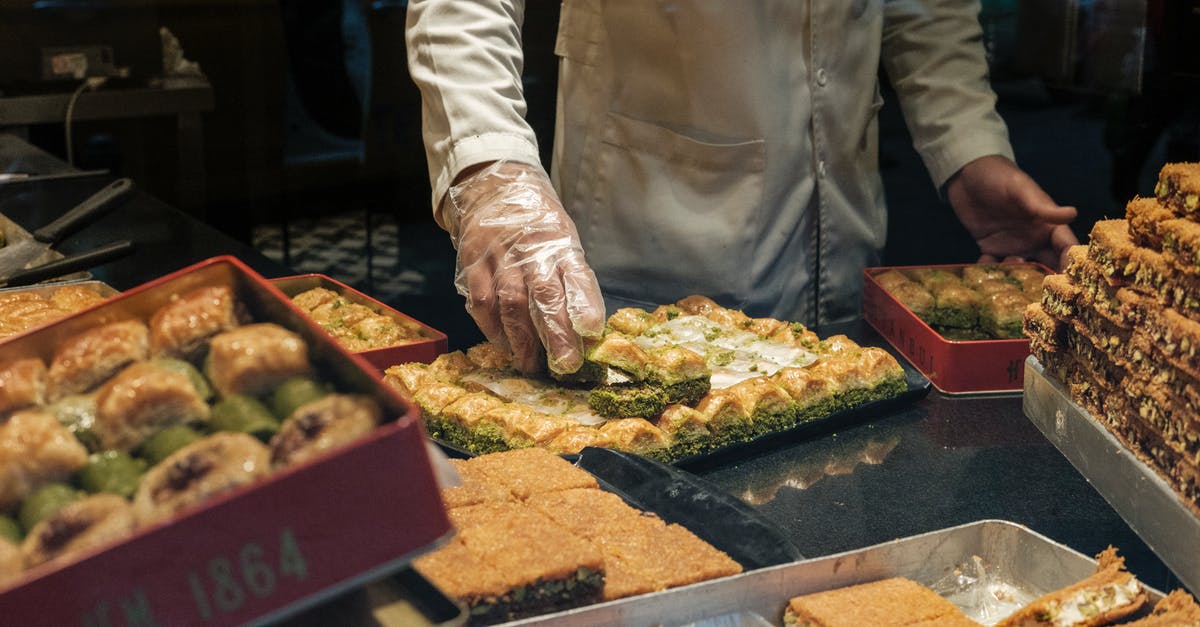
x=1111, y=247
x=1179, y=187
x=1145, y=216
x=1001, y=314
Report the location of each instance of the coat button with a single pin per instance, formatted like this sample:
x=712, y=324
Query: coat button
x=822, y=78
x=821, y=169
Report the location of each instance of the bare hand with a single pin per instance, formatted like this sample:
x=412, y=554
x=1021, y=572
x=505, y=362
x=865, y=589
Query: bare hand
x=1009, y=215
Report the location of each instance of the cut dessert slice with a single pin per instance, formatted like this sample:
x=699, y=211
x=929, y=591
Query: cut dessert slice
x=1179, y=187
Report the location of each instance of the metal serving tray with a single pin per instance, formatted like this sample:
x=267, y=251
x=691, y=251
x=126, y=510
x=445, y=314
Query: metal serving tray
x=14, y=232
x=1143, y=499
x=988, y=568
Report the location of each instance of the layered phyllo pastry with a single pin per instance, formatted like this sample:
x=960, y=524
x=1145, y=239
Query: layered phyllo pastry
x=681, y=380
x=975, y=302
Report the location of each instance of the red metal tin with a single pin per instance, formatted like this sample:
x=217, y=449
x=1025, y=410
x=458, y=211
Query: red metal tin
x=304, y=533
x=952, y=366
x=425, y=350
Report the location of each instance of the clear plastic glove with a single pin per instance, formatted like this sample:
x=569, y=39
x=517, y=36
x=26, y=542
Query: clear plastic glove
x=1009, y=215
x=521, y=267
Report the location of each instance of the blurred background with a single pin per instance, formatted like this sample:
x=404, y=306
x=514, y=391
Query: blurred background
x=293, y=124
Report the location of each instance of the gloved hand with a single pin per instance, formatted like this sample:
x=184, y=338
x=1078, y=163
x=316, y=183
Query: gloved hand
x=1009, y=215
x=521, y=267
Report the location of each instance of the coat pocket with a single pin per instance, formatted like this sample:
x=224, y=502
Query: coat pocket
x=671, y=215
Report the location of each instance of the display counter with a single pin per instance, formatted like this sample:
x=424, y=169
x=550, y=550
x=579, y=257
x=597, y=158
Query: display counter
x=939, y=462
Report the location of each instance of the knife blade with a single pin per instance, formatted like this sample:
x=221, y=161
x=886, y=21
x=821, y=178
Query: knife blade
x=69, y=264
x=15, y=256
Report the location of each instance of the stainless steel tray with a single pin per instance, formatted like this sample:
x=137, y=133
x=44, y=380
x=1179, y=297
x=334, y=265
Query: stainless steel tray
x=988, y=568
x=1142, y=498
x=14, y=232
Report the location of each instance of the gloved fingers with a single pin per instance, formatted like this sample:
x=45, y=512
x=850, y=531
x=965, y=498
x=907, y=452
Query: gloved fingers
x=512, y=304
x=548, y=310
x=475, y=282
x=585, y=304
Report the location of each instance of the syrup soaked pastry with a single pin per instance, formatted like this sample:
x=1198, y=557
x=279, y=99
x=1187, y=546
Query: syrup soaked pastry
x=254, y=358
x=86, y=360
x=90, y=522
x=142, y=399
x=323, y=424
x=681, y=380
x=22, y=384
x=183, y=327
x=35, y=449
x=205, y=468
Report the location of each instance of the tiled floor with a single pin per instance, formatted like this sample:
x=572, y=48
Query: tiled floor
x=408, y=265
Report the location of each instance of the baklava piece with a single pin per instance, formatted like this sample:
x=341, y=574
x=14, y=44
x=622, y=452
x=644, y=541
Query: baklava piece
x=86, y=360
x=73, y=298
x=1181, y=245
x=327, y=423
x=1001, y=314
x=954, y=305
x=1044, y=331
x=544, y=568
x=90, y=522
x=212, y=465
x=1111, y=247
x=1146, y=216
x=142, y=399
x=1179, y=187
x=34, y=450
x=636, y=435
x=182, y=327
x=22, y=384
x=254, y=358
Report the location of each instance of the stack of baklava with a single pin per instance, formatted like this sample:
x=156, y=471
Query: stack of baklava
x=1121, y=327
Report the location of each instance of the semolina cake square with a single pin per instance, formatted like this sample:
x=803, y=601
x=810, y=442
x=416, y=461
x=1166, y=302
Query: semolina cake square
x=476, y=487
x=620, y=580
x=545, y=567
x=666, y=555
x=589, y=513
x=463, y=575
x=895, y=601
x=592, y=513
x=528, y=471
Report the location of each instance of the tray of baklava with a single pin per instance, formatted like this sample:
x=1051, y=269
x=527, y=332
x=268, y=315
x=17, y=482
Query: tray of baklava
x=682, y=384
x=959, y=324
x=197, y=450
x=25, y=308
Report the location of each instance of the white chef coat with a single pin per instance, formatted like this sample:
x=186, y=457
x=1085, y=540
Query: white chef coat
x=715, y=147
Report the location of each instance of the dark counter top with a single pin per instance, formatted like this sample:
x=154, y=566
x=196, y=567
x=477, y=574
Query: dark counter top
x=165, y=239
x=939, y=462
